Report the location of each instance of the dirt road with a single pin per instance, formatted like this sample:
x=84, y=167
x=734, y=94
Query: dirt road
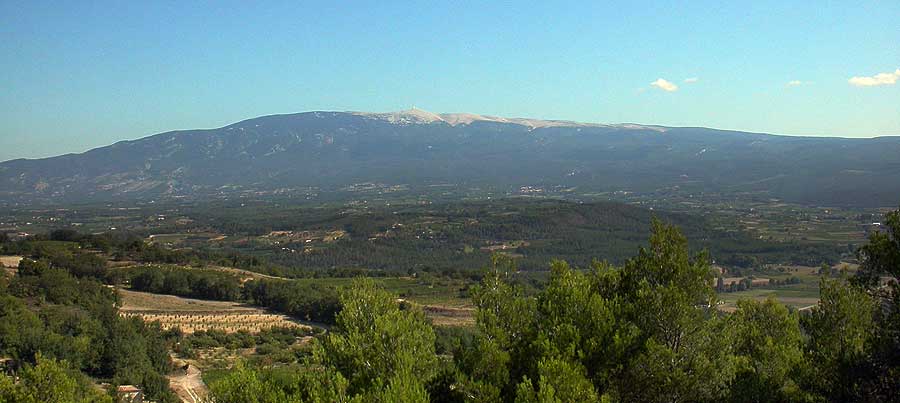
x=188, y=383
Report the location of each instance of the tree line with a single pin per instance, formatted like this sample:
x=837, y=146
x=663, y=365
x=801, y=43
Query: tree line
x=85, y=252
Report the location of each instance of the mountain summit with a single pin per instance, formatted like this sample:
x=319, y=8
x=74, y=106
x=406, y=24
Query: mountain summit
x=419, y=116
x=316, y=152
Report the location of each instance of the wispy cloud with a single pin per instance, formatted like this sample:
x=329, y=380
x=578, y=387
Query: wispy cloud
x=665, y=85
x=796, y=83
x=691, y=80
x=876, y=80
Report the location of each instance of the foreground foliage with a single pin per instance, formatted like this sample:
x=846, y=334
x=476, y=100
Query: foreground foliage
x=647, y=331
x=46, y=314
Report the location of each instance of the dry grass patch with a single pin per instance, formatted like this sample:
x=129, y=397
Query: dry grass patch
x=449, y=316
x=10, y=261
x=10, y=264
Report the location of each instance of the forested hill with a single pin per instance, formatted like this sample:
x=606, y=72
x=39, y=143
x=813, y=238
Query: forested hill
x=324, y=151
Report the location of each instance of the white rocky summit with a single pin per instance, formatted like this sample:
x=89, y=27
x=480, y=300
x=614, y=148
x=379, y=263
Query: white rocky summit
x=419, y=116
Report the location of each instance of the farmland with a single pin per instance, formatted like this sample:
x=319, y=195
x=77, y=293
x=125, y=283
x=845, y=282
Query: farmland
x=798, y=298
x=191, y=315
x=445, y=301
x=802, y=294
x=400, y=238
x=429, y=255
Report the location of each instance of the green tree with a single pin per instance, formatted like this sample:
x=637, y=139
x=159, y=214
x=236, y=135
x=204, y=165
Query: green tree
x=502, y=351
x=244, y=385
x=576, y=322
x=840, y=329
x=320, y=384
x=559, y=382
x=767, y=342
x=403, y=387
x=880, y=256
x=374, y=340
x=50, y=381
x=669, y=296
x=21, y=331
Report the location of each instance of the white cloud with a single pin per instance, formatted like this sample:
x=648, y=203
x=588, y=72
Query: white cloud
x=665, y=85
x=878, y=79
x=795, y=83
x=691, y=80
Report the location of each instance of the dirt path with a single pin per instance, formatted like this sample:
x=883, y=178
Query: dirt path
x=245, y=274
x=188, y=383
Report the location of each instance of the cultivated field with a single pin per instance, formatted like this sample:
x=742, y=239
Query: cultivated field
x=797, y=298
x=191, y=315
x=803, y=295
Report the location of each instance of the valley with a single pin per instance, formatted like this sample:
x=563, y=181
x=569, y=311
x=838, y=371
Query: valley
x=258, y=281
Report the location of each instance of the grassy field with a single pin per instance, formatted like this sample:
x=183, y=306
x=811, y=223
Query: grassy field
x=191, y=315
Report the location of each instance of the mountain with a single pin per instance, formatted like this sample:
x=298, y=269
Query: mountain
x=332, y=150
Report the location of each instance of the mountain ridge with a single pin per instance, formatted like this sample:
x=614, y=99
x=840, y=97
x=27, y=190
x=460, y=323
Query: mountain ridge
x=478, y=117
x=332, y=150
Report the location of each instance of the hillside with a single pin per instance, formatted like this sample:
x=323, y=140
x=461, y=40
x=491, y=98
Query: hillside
x=314, y=152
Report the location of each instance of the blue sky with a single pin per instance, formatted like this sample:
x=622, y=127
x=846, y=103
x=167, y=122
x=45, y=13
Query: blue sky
x=76, y=75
